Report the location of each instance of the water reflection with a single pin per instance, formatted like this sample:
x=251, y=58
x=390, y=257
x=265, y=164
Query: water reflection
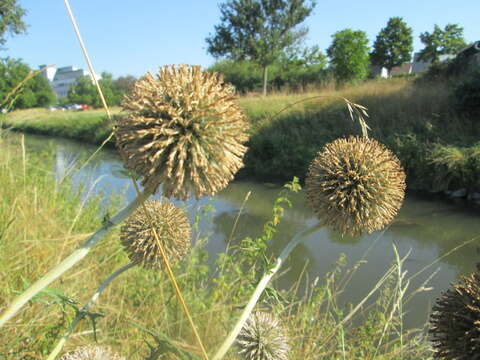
x=427, y=228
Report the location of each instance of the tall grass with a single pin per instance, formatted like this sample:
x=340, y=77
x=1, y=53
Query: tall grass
x=415, y=120
x=41, y=222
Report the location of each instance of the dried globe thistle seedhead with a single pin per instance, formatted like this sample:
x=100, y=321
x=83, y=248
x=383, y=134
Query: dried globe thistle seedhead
x=263, y=338
x=455, y=321
x=90, y=352
x=183, y=130
x=172, y=227
x=355, y=185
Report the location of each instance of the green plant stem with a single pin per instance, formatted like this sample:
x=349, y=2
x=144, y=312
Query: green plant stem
x=260, y=288
x=71, y=260
x=83, y=311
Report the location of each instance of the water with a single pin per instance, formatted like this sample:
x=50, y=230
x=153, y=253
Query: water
x=426, y=228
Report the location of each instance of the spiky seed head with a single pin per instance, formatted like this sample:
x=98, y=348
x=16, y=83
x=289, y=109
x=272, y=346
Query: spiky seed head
x=91, y=352
x=455, y=320
x=183, y=130
x=355, y=185
x=172, y=227
x=263, y=338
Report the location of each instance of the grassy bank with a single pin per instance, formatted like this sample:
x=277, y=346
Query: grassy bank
x=438, y=148
x=91, y=126
x=42, y=221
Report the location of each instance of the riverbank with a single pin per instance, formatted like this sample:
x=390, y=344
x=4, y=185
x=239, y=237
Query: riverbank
x=42, y=221
x=438, y=148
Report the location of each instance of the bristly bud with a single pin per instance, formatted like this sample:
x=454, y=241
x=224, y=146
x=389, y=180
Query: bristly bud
x=90, y=352
x=183, y=130
x=263, y=338
x=455, y=321
x=173, y=230
x=355, y=185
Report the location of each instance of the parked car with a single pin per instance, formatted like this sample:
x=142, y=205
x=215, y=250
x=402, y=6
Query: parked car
x=75, y=107
x=55, y=108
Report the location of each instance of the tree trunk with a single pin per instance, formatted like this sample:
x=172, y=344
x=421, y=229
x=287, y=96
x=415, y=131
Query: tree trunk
x=265, y=79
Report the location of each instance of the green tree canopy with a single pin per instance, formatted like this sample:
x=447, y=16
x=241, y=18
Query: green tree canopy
x=36, y=92
x=296, y=69
x=301, y=67
x=349, y=55
x=11, y=19
x=124, y=84
x=440, y=42
x=84, y=91
x=259, y=30
x=393, y=45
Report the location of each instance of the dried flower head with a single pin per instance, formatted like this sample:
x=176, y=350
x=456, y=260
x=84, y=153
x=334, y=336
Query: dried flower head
x=172, y=227
x=182, y=130
x=455, y=321
x=355, y=185
x=263, y=338
x=90, y=352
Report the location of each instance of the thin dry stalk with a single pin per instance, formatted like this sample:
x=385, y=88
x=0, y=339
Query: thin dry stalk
x=168, y=268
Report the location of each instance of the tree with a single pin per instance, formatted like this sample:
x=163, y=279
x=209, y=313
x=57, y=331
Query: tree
x=11, y=19
x=349, y=55
x=259, y=30
x=295, y=70
x=124, y=84
x=299, y=68
x=84, y=91
x=112, y=95
x=441, y=42
x=394, y=45
x=36, y=92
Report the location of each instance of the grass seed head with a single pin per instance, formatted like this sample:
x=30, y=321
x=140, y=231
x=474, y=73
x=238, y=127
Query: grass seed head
x=172, y=227
x=455, y=321
x=263, y=338
x=183, y=130
x=355, y=185
x=90, y=352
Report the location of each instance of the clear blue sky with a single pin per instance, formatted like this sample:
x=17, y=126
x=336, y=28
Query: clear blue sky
x=136, y=36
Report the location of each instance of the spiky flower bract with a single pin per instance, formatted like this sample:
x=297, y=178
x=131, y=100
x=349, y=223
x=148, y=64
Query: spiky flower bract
x=172, y=227
x=355, y=185
x=455, y=321
x=263, y=338
x=183, y=130
x=90, y=352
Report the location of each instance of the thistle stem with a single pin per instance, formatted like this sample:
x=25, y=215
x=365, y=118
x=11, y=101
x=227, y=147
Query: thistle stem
x=71, y=260
x=297, y=239
x=83, y=311
x=172, y=276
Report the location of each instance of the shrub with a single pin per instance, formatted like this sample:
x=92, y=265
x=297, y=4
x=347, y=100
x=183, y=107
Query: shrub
x=467, y=96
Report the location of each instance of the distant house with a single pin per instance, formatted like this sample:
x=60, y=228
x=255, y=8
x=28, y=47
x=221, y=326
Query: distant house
x=60, y=79
x=379, y=71
x=468, y=59
x=419, y=66
x=404, y=69
x=469, y=56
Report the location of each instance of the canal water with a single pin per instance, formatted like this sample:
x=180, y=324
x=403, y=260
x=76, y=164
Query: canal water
x=426, y=228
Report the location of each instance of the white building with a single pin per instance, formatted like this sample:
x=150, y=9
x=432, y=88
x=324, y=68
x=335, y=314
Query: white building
x=60, y=79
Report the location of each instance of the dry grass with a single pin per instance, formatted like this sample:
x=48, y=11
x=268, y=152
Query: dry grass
x=36, y=216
